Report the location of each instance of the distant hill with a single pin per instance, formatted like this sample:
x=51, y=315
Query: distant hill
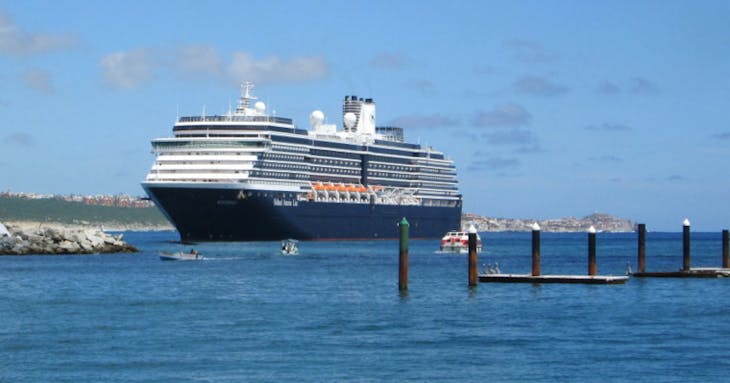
x=15, y=209
x=601, y=222
x=63, y=211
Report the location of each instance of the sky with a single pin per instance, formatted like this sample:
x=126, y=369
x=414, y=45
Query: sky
x=549, y=108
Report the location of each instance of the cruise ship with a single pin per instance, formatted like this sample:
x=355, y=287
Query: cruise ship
x=251, y=176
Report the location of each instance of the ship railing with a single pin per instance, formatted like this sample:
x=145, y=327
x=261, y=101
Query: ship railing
x=356, y=197
x=439, y=203
x=269, y=119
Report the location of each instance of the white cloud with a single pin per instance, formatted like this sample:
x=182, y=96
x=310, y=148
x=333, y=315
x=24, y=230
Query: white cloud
x=244, y=67
x=424, y=121
x=127, y=70
x=538, y=86
x=529, y=52
x=19, y=138
x=507, y=127
x=676, y=177
x=39, y=80
x=17, y=42
x=503, y=115
x=200, y=60
x=721, y=136
x=608, y=88
x=511, y=137
x=635, y=85
x=502, y=166
x=640, y=85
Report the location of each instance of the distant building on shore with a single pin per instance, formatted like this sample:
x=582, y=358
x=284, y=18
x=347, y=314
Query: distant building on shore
x=119, y=200
x=601, y=222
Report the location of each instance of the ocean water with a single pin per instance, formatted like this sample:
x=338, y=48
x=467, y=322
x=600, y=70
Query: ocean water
x=334, y=314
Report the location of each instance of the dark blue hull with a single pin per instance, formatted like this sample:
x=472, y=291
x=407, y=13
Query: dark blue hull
x=233, y=215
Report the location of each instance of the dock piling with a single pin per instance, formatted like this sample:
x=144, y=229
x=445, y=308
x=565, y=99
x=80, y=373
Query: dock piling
x=687, y=271
x=536, y=277
x=642, y=247
x=686, y=261
x=403, y=255
x=472, y=256
x=592, y=251
x=535, y=249
x=725, y=250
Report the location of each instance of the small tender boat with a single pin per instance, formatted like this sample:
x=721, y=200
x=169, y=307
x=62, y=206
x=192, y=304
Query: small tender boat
x=181, y=256
x=458, y=242
x=289, y=247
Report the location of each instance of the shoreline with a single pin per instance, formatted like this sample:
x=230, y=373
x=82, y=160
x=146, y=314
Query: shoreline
x=520, y=226
x=103, y=226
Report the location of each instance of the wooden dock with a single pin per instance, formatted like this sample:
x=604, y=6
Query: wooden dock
x=495, y=276
x=527, y=278
x=695, y=272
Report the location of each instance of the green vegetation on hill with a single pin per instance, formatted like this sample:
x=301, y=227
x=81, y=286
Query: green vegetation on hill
x=58, y=210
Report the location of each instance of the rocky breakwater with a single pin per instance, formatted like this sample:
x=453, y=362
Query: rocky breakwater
x=56, y=240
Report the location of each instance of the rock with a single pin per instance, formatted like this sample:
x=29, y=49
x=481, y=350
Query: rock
x=53, y=234
x=68, y=247
x=94, y=239
x=60, y=241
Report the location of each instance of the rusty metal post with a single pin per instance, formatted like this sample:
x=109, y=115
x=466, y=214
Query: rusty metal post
x=472, y=256
x=403, y=255
x=686, y=261
x=592, y=251
x=642, y=247
x=535, y=250
x=725, y=250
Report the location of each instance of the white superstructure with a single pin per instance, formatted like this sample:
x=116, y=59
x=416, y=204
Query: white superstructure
x=250, y=150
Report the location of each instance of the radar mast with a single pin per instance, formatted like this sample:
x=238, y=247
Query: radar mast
x=246, y=96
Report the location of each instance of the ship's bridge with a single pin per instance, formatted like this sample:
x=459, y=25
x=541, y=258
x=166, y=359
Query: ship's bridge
x=210, y=159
